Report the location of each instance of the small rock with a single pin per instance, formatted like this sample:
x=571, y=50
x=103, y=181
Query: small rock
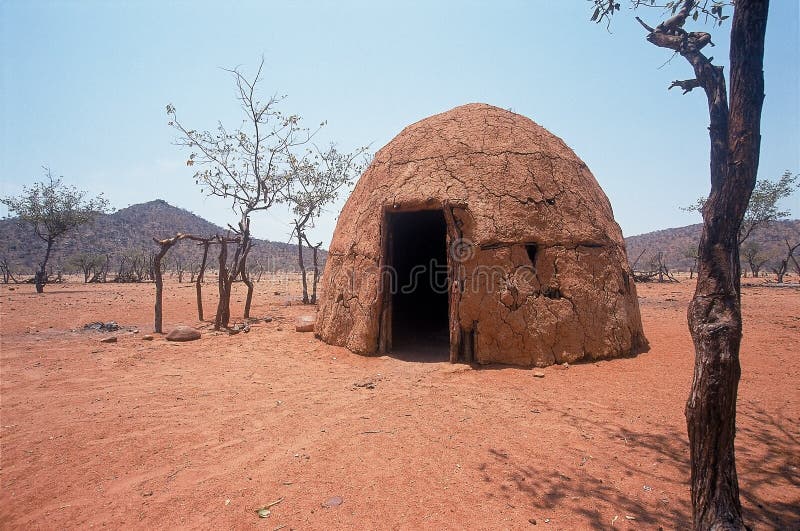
x=366, y=383
x=110, y=339
x=305, y=323
x=147, y=337
x=110, y=326
x=336, y=501
x=183, y=333
x=538, y=374
x=239, y=327
x=532, y=520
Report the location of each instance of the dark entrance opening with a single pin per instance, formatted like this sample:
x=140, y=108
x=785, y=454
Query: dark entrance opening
x=420, y=302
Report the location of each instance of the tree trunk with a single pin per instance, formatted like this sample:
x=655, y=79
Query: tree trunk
x=41, y=274
x=714, y=313
x=224, y=307
x=315, y=255
x=198, y=286
x=302, y=265
x=104, y=273
x=781, y=271
x=247, y=245
x=315, y=252
x=157, y=327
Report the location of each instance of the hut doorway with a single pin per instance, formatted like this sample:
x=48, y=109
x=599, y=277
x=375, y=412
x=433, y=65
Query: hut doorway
x=419, y=299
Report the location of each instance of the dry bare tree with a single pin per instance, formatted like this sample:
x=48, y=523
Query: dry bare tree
x=164, y=246
x=314, y=182
x=5, y=270
x=692, y=253
x=246, y=164
x=715, y=316
x=88, y=264
x=180, y=268
x=751, y=252
x=782, y=266
x=101, y=274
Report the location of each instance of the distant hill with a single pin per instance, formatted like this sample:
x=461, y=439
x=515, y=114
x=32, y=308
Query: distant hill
x=675, y=243
x=131, y=230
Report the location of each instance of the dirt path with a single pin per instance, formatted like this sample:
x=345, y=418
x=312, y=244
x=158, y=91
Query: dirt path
x=152, y=434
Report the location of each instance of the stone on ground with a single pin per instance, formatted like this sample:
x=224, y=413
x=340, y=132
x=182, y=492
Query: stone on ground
x=183, y=333
x=305, y=323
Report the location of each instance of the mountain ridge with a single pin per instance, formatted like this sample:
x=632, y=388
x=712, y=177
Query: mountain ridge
x=675, y=243
x=130, y=230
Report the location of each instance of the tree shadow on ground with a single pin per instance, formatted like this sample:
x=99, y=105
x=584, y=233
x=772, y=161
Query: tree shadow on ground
x=778, y=465
x=767, y=457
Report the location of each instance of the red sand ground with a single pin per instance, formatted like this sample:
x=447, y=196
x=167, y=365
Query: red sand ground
x=153, y=434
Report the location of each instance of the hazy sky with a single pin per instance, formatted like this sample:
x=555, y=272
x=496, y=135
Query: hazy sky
x=84, y=87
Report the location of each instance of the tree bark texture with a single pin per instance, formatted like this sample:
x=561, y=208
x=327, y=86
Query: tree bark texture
x=714, y=314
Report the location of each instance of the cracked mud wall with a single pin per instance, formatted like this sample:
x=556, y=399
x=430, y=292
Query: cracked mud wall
x=509, y=183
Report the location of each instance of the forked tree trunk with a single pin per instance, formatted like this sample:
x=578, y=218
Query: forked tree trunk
x=714, y=315
x=315, y=259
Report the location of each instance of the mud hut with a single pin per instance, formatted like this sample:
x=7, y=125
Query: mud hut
x=476, y=235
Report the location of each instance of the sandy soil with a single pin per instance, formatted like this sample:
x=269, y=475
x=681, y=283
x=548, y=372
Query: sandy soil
x=144, y=434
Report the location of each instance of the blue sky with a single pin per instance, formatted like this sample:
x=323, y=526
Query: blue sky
x=84, y=87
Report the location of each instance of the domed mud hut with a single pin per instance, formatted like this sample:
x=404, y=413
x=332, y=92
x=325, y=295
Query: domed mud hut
x=478, y=236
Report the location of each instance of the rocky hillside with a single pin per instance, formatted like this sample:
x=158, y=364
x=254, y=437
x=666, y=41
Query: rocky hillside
x=130, y=231
x=676, y=243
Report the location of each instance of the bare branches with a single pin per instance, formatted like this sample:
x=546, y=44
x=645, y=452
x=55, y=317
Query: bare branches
x=783, y=264
x=687, y=85
x=313, y=182
x=650, y=29
x=246, y=164
x=681, y=10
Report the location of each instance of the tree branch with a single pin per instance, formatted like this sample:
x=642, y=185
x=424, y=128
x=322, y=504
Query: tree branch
x=687, y=85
